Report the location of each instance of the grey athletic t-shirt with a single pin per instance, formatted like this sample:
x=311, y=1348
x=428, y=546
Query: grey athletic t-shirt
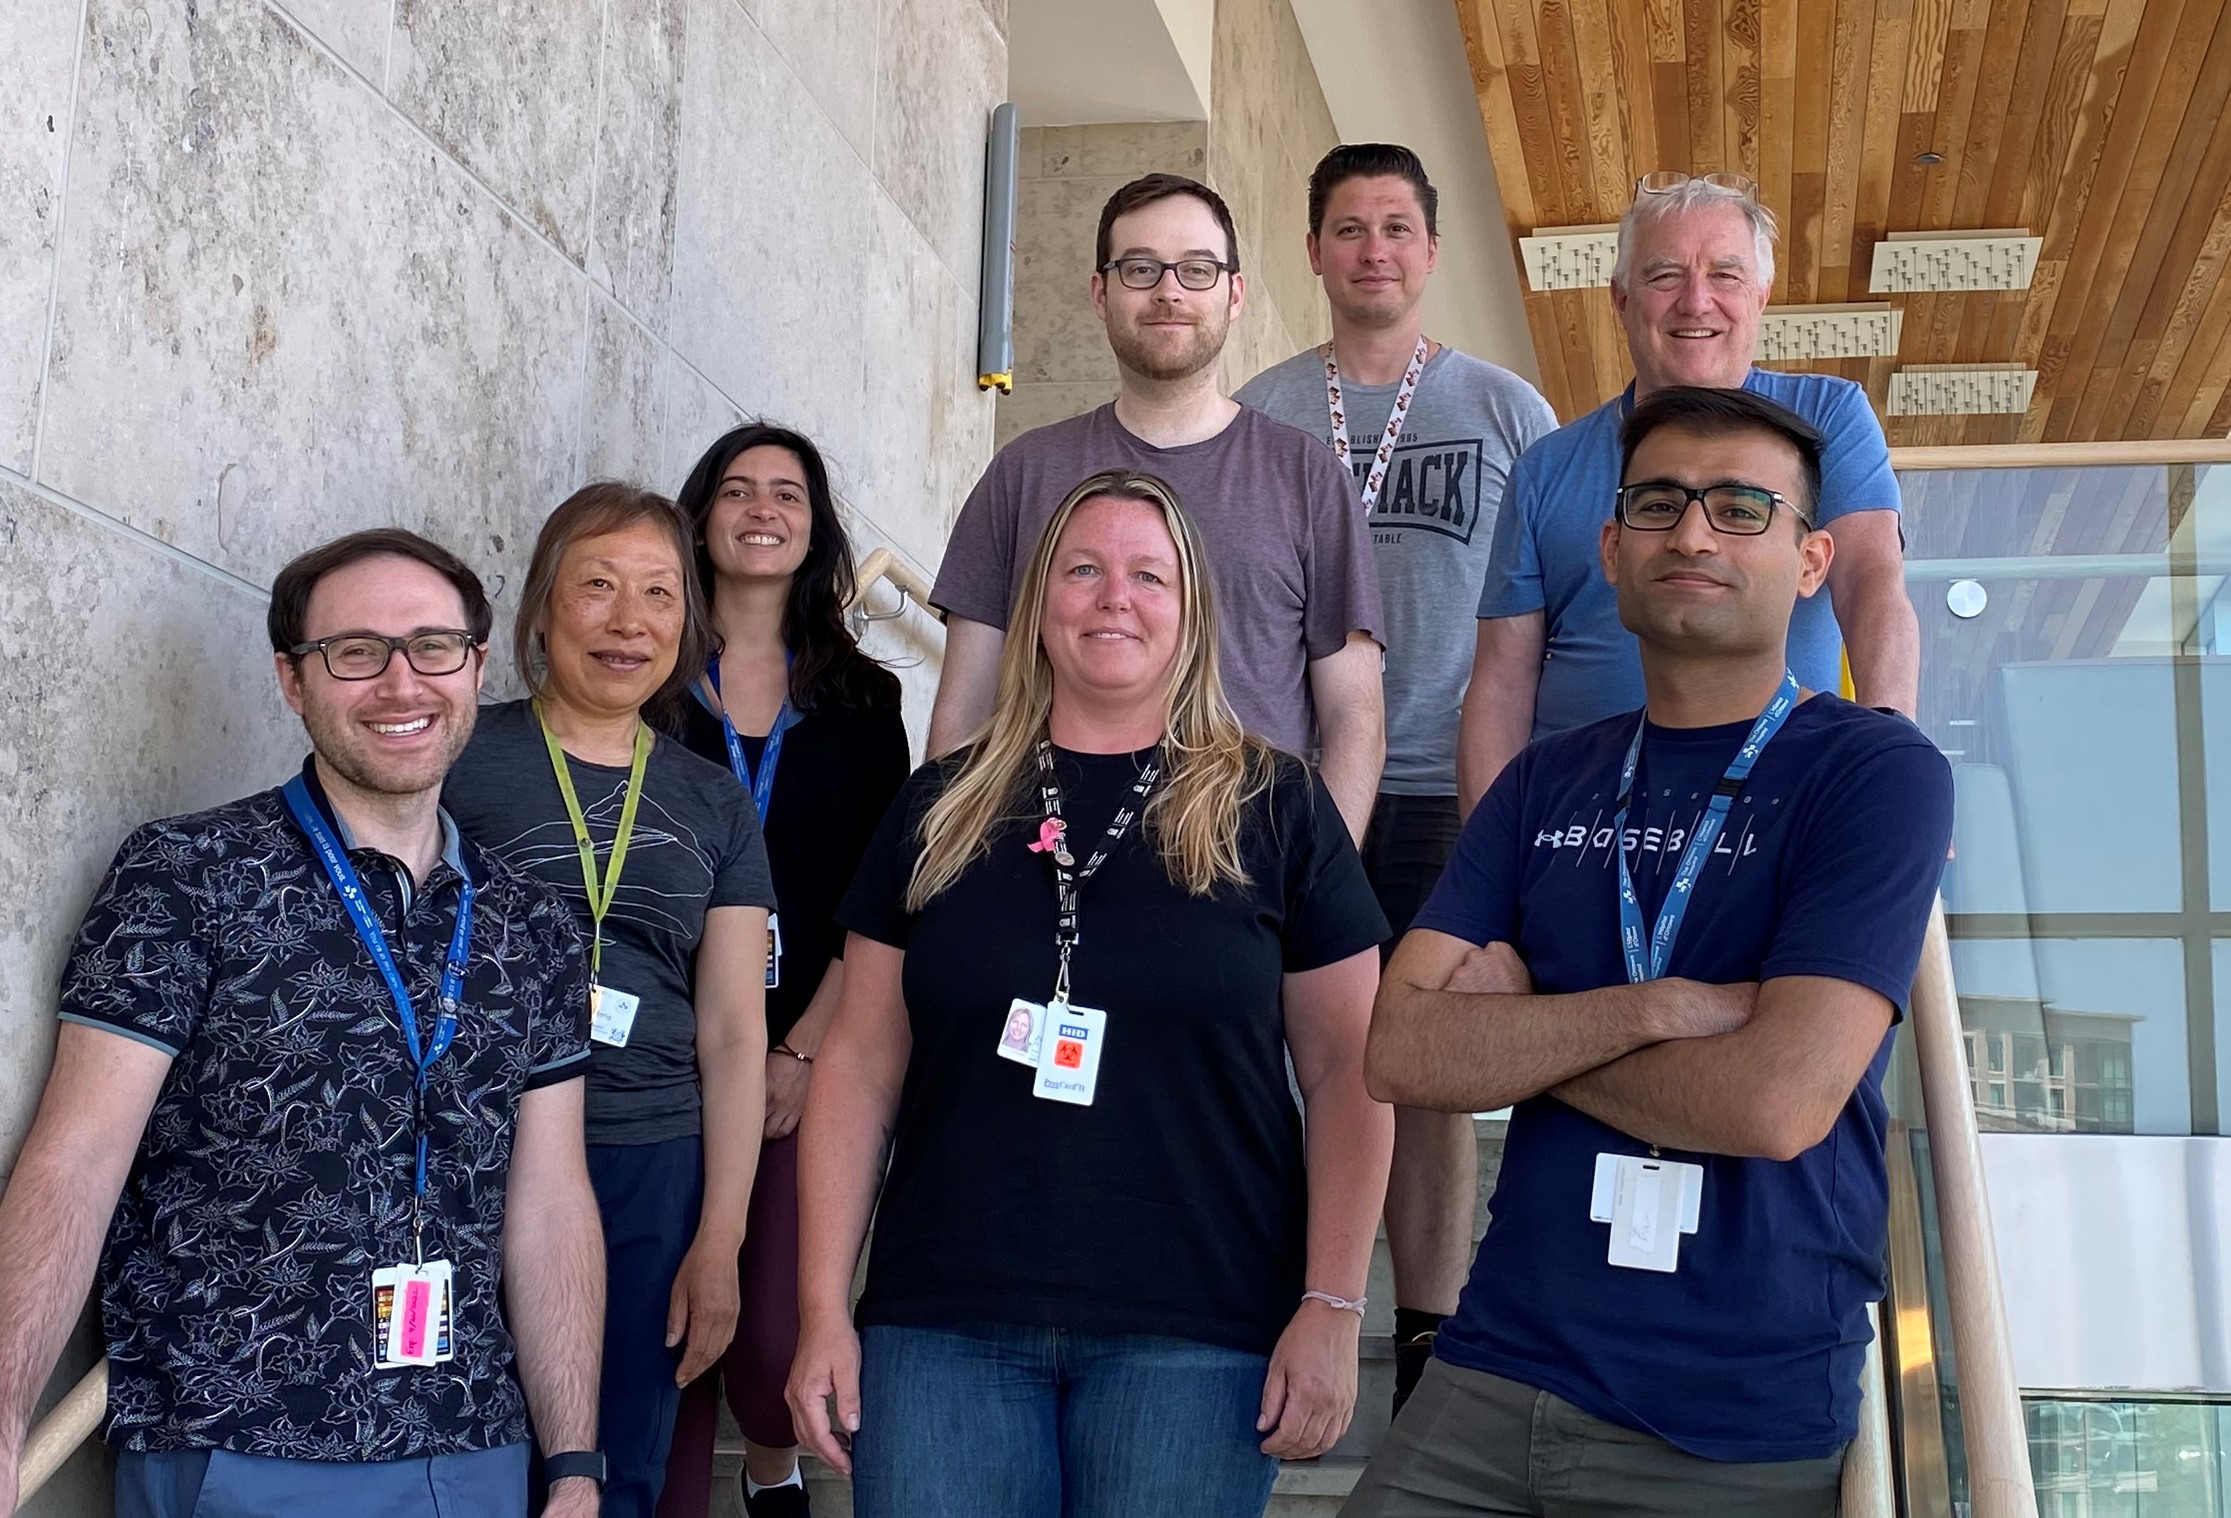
x=695, y=846
x=1430, y=530
x=1287, y=549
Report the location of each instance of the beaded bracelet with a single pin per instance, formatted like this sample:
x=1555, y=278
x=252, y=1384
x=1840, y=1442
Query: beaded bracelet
x=803, y=1059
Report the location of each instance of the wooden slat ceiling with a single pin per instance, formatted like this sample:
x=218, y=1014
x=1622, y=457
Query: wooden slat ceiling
x=2099, y=125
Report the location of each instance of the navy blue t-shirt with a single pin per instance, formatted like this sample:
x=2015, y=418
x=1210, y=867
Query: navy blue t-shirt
x=1830, y=859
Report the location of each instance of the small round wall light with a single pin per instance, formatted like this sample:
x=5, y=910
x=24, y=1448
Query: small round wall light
x=1965, y=599
x=1926, y=159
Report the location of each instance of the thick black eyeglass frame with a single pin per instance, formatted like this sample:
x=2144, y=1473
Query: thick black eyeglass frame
x=394, y=646
x=1695, y=496
x=1115, y=266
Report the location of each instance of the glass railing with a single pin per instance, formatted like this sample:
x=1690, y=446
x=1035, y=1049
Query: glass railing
x=2076, y=670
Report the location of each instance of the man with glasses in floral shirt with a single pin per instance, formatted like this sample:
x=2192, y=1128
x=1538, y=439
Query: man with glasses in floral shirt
x=318, y=1077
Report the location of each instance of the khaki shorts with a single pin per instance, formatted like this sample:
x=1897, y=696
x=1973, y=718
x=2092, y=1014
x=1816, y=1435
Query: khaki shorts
x=1469, y=1444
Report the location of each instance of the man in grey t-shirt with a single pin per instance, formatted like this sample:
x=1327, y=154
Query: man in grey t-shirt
x=1430, y=485
x=1297, y=599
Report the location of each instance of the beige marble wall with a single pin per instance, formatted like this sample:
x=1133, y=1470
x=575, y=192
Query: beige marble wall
x=1267, y=127
x=271, y=270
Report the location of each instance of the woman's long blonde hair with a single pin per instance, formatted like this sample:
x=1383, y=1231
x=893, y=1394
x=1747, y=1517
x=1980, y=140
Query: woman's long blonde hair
x=1213, y=768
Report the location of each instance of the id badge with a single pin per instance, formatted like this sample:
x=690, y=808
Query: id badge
x=1069, y=1046
x=411, y=1315
x=611, y=1015
x=1019, y=1035
x=774, y=950
x=1649, y=1205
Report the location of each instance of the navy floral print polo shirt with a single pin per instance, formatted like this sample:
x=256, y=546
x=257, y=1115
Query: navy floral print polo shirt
x=276, y=1171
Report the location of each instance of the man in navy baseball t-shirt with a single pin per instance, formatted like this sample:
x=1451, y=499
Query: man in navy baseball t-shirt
x=1676, y=942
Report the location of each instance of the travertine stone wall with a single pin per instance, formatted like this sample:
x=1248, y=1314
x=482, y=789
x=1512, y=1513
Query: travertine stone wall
x=271, y=270
x=1267, y=128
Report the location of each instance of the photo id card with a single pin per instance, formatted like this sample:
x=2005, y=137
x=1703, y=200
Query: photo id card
x=1018, y=1035
x=1649, y=1205
x=1069, y=1045
x=774, y=950
x=611, y=1015
x=411, y=1315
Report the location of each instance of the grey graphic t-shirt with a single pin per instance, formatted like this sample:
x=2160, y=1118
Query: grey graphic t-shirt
x=696, y=845
x=1430, y=529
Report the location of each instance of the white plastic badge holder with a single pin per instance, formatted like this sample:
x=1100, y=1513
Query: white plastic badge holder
x=410, y=1315
x=1069, y=1054
x=1021, y=1035
x=611, y=1015
x=1649, y=1205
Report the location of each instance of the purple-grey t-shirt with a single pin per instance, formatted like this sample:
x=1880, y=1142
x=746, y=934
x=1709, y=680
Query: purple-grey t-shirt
x=1289, y=553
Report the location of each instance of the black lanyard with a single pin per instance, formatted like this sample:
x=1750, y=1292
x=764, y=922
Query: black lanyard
x=1069, y=880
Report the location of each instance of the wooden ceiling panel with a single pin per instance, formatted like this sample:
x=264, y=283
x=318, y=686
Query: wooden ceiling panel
x=2099, y=125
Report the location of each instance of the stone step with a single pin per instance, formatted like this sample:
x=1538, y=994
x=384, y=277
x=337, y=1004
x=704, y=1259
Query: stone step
x=1305, y=1488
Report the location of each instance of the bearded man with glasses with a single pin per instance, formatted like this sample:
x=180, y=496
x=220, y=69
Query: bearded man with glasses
x=1674, y=942
x=1694, y=268
x=319, y=1080
x=1297, y=591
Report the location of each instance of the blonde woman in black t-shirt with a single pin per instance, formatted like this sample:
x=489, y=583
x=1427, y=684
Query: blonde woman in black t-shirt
x=1117, y=1277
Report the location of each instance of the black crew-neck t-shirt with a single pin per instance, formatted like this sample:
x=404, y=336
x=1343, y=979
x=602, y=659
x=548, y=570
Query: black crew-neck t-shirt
x=838, y=770
x=1177, y=1202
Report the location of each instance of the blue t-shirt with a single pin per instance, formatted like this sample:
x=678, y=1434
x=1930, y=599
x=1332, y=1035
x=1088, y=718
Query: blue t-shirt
x=1830, y=859
x=1545, y=553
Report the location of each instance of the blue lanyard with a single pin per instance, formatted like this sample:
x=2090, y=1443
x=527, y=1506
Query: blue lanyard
x=1700, y=843
x=762, y=783
x=343, y=875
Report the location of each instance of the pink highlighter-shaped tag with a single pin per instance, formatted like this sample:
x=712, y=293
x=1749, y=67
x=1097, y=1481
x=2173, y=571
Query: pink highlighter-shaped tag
x=1049, y=836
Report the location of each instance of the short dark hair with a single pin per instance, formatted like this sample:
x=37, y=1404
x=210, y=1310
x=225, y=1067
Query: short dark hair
x=290, y=593
x=1154, y=187
x=826, y=661
x=1371, y=160
x=590, y=512
x=1716, y=413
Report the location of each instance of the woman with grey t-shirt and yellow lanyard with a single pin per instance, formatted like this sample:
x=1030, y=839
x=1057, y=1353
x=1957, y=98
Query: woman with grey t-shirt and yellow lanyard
x=660, y=853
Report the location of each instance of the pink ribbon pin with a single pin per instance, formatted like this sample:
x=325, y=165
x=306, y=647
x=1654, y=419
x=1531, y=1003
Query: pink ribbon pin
x=1049, y=836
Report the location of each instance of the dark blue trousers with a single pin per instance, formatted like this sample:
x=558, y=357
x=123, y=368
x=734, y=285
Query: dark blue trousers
x=649, y=1196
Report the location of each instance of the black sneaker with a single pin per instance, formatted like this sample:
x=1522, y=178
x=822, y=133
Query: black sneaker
x=777, y=1502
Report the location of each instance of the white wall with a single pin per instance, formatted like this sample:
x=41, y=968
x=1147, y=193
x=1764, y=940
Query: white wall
x=1395, y=71
x=271, y=270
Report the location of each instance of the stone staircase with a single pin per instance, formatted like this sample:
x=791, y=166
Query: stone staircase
x=1305, y=1489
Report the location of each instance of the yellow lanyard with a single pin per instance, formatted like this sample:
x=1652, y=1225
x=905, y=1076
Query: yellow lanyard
x=600, y=893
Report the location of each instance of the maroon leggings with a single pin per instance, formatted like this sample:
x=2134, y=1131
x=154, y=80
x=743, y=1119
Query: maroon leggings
x=757, y=1362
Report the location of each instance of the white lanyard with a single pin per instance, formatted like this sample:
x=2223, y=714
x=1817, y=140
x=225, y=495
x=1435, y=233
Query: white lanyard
x=1338, y=408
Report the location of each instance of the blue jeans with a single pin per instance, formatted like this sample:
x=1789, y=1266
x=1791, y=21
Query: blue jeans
x=997, y=1421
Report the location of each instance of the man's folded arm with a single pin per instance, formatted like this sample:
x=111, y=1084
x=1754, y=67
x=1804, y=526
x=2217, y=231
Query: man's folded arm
x=1771, y=1089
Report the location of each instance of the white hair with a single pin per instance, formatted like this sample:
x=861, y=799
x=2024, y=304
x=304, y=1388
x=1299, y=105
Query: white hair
x=1695, y=195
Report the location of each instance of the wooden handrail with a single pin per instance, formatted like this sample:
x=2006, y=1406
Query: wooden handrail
x=1869, y=1488
x=2149, y=451
x=1997, y=1441
x=883, y=564
x=57, y=1436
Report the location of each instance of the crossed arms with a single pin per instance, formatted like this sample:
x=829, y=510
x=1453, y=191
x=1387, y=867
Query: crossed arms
x=1757, y=1070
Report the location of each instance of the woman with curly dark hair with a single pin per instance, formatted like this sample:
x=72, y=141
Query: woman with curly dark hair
x=811, y=726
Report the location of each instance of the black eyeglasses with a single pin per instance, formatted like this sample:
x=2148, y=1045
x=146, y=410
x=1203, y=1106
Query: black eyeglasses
x=365, y=656
x=1146, y=273
x=1742, y=511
